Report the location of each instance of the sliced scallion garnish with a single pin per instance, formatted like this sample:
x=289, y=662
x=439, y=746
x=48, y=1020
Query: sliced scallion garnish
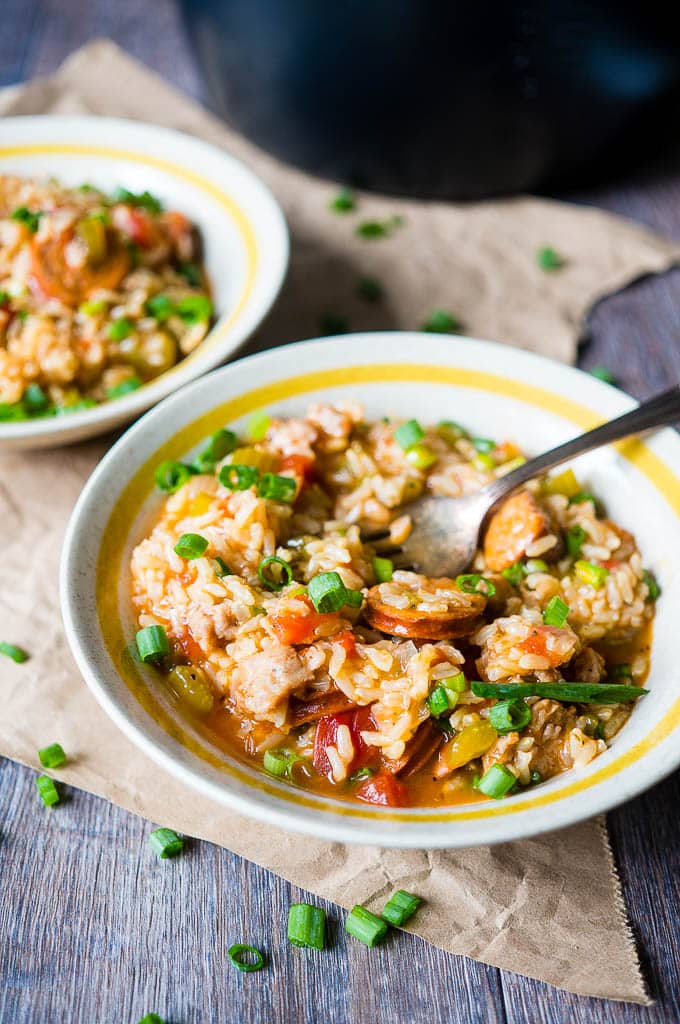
x=277, y=488
x=579, y=693
x=274, y=572
x=496, y=782
x=306, y=926
x=190, y=546
x=245, y=958
x=555, y=612
x=165, y=842
x=49, y=794
x=170, y=476
x=509, y=716
x=152, y=643
x=473, y=583
x=365, y=926
x=408, y=434
x=400, y=907
x=328, y=593
x=383, y=569
x=52, y=756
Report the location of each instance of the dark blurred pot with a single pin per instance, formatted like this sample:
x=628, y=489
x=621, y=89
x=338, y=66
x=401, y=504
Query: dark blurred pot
x=457, y=99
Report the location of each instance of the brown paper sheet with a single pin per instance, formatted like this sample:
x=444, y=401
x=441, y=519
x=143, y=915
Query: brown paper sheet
x=548, y=907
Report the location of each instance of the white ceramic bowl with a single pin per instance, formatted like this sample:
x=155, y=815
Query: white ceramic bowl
x=243, y=229
x=496, y=391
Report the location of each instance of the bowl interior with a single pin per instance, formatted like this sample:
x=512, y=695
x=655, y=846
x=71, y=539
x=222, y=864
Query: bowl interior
x=637, y=483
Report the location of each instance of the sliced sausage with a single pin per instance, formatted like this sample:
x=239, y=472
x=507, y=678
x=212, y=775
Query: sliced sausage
x=422, y=608
x=420, y=749
x=333, y=702
x=512, y=529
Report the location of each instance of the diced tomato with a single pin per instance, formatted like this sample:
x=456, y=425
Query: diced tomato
x=301, y=466
x=177, y=224
x=535, y=643
x=384, y=789
x=299, y=629
x=191, y=650
x=348, y=642
x=611, y=564
x=135, y=223
x=327, y=734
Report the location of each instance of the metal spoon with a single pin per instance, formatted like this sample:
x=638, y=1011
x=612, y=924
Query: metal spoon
x=445, y=532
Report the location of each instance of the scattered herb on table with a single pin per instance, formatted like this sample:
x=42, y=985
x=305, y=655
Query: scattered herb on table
x=440, y=321
x=17, y=654
x=378, y=228
x=52, y=756
x=604, y=374
x=306, y=926
x=344, y=202
x=245, y=958
x=49, y=794
x=165, y=842
x=332, y=324
x=369, y=289
x=548, y=258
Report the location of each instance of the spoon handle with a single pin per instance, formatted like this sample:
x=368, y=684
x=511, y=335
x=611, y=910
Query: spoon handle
x=657, y=411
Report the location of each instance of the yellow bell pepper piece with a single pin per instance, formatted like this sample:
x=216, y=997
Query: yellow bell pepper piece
x=472, y=741
x=564, y=483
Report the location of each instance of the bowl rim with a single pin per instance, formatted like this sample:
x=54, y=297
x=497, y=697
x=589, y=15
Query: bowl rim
x=372, y=826
x=233, y=327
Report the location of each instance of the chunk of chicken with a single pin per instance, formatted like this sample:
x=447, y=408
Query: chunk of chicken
x=502, y=752
x=262, y=683
x=588, y=666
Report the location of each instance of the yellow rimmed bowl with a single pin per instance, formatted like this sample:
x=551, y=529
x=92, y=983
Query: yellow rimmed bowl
x=494, y=390
x=243, y=230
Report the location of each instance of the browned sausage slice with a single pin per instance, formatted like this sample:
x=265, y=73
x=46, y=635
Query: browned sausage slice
x=422, y=608
x=518, y=523
x=300, y=712
x=420, y=749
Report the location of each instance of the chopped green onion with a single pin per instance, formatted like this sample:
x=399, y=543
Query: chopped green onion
x=555, y=612
x=369, y=289
x=469, y=583
x=257, y=610
x=623, y=671
x=365, y=926
x=514, y=574
x=35, y=399
x=238, y=953
x=52, y=756
x=92, y=306
x=377, y=228
x=328, y=593
x=604, y=374
x=221, y=567
x=575, y=538
x=363, y=773
x=160, y=307
x=441, y=700
x=191, y=273
x=151, y=1018
x=17, y=654
x=344, y=202
x=49, y=794
x=238, y=478
x=143, y=199
x=409, y=434
x=221, y=443
x=383, y=569
x=652, y=586
x=484, y=462
x=124, y=388
x=535, y=565
x=581, y=693
x=194, y=309
x=400, y=907
x=277, y=488
x=170, y=476
x=536, y=777
x=593, y=575
x=258, y=425
x=12, y=412
x=578, y=499
x=118, y=330
x=280, y=762
x=152, y=643
x=29, y=218
x=421, y=456
x=84, y=403
x=306, y=926
x=268, y=578
x=165, y=842
x=457, y=683
x=483, y=444
x=333, y=324
x=496, y=782
x=509, y=716
x=441, y=322
x=548, y=258
x=451, y=432
x=191, y=545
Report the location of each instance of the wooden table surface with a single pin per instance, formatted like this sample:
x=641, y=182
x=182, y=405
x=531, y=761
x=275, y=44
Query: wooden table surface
x=94, y=930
